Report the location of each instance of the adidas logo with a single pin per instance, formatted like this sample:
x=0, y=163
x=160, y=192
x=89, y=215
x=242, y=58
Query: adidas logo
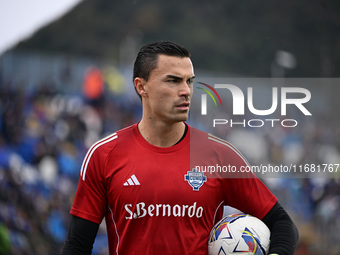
x=132, y=181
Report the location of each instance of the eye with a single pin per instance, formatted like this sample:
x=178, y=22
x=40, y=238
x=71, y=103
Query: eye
x=190, y=81
x=175, y=81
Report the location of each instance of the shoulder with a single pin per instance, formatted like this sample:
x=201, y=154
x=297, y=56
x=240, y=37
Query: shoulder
x=110, y=142
x=98, y=153
x=223, y=144
x=215, y=146
x=203, y=138
x=104, y=146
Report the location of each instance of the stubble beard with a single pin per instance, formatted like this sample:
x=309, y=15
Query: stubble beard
x=179, y=116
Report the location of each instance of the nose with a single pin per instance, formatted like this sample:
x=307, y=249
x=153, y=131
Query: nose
x=185, y=90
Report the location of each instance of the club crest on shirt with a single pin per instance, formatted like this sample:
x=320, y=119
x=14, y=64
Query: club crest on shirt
x=195, y=178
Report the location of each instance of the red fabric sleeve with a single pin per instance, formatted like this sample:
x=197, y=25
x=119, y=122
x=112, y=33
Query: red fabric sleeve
x=90, y=201
x=250, y=195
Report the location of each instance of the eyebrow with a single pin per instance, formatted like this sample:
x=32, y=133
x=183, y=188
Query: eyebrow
x=178, y=77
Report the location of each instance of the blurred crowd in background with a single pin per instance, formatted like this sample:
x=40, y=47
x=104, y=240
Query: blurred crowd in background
x=46, y=130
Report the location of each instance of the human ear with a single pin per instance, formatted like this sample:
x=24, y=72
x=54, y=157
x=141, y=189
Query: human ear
x=140, y=86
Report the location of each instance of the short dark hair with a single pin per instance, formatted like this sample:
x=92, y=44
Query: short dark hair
x=147, y=57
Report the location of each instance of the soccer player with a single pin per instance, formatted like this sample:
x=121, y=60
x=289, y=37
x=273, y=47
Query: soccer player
x=142, y=179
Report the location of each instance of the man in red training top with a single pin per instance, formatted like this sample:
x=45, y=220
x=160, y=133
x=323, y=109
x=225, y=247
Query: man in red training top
x=142, y=181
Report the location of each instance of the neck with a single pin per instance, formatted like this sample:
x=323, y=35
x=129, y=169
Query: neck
x=161, y=134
